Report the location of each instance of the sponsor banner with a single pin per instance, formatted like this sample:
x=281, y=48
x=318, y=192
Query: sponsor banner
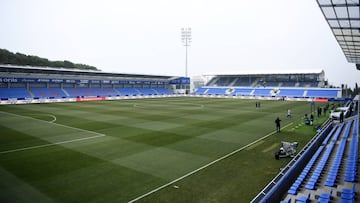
x=72, y=81
x=56, y=81
x=83, y=81
x=339, y=99
x=90, y=99
x=8, y=79
x=321, y=100
x=28, y=80
x=95, y=81
x=43, y=80
x=180, y=81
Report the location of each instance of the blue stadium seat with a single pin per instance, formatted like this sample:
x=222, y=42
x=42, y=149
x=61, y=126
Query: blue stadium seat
x=347, y=130
x=217, y=91
x=242, y=91
x=323, y=200
x=310, y=185
x=162, y=91
x=286, y=201
x=18, y=92
x=262, y=92
x=201, y=90
x=48, y=92
x=334, y=168
x=322, y=93
x=329, y=135
x=351, y=167
x=348, y=195
x=146, y=91
x=291, y=92
x=296, y=185
x=325, y=197
x=128, y=91
x=303, y=199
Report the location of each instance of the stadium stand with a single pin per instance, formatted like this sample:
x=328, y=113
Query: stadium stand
x=283, y=92
x=48, y=92
x=262, y=92
x=29, y=83
x=270, y=92
x=243, y=92
x=146, y=91
x=321, y=179
x=128, y=91
x=285, y=85
x=322, y=93
x=162, y=91
x=90, y=92
x=201, y=91
x=8, y=93
x=269, y=80
x=217, y=91
x=17, y=92
x=325, y=171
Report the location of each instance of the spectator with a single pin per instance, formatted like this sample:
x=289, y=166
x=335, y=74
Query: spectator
x=306, y=120
x=326, y=108
x=311, y=119
x=341, y=117
x=319, y=111
x=277, y=121
x=288, y=113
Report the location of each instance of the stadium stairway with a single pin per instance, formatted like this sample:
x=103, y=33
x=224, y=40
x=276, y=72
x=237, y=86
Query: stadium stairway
x=332, y=173
x=117, y=91
x=31, y=93
x=65, y=92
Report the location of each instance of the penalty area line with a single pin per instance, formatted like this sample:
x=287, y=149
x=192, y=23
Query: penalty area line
x=52, y=123
x=51, y=144
x=205, y=166
x=54, y=118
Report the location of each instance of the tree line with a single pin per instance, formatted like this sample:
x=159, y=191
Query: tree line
x=348, y=92
x=7, y=57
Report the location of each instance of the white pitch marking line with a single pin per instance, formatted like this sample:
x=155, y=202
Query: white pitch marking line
x=58, y=124
x=54, y=118
x=173, y=104
x=50, y=115
x=51, y=144
x=205, y=166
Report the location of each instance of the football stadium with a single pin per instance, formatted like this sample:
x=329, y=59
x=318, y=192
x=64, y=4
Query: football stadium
x=72, y=135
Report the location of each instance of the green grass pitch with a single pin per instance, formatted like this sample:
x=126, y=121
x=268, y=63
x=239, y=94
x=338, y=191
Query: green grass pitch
x=116, y=151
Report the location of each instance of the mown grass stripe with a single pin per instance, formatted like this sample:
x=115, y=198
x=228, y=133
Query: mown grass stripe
x=255, y=145
x=270, y=148
x=50, y=144
x=205, y=166
x=66, y=126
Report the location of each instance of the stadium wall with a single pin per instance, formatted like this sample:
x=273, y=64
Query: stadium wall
x=46, y=100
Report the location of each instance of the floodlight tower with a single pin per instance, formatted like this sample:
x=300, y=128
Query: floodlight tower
x=186, y=40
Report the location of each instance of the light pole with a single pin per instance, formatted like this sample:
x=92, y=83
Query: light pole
x=186, y=40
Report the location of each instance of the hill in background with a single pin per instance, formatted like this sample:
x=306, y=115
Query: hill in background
x=7, y=57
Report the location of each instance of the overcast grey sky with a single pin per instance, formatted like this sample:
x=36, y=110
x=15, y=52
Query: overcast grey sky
x=143, y=36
